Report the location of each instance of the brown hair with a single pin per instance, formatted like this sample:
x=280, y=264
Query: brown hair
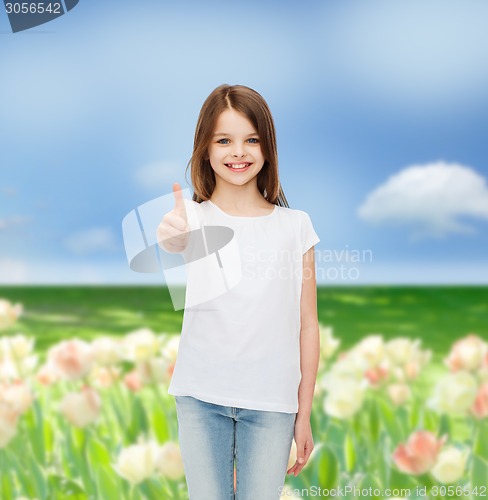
x=252, y=105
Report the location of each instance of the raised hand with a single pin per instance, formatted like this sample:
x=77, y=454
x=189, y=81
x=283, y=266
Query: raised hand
x=173, y=230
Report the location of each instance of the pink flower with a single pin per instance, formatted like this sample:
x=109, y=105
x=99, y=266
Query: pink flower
x=8, y=424
x=419, y=454
x=376, y=375
x=133, y=381
x=47, y=374
x=73, y=359
x=82, y=408
x=480, y=405
x=467, y=354
x=17, y=396
x=484, y=364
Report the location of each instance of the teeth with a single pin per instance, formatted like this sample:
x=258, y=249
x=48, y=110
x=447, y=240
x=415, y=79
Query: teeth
x=238, y=166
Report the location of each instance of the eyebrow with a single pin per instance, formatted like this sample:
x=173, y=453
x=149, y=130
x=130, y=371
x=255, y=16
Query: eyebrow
x=222, y=133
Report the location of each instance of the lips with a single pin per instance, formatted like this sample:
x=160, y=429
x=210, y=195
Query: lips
x=235, y=167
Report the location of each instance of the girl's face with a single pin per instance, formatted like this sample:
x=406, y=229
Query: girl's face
x=234, y=152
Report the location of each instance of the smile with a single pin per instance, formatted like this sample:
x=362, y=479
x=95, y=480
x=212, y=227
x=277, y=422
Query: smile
x=238, y=167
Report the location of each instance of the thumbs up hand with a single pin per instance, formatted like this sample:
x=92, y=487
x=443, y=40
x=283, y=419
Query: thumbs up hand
x=173, y=230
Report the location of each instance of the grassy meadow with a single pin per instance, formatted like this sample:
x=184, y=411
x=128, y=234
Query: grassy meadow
x=46, y=453
x=436, y=314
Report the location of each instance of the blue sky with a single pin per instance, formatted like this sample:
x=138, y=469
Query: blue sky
x=381, y=111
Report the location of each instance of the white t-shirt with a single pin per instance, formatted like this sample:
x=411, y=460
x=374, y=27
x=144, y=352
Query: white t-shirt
x=242, y=348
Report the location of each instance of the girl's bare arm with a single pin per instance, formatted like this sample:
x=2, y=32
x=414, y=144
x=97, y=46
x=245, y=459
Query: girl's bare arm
x=309, y=336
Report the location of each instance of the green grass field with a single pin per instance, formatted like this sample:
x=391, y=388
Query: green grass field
x=438, y=315
x=60, y=457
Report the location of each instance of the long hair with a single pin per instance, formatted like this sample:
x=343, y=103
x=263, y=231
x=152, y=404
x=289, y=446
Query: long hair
x=252, y=105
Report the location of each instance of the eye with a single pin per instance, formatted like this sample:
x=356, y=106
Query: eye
x=220, y=141
x=254, y=140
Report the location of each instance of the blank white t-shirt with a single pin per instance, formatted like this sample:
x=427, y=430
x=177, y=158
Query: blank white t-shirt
x=242, y=347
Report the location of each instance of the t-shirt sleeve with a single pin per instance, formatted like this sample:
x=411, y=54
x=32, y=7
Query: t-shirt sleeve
x=308, y=234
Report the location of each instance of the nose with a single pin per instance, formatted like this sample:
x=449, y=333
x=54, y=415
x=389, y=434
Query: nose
x=238, y=151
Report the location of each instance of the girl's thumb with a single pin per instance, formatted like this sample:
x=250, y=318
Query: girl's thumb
x=178, y=194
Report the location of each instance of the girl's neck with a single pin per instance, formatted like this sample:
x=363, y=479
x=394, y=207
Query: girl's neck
x=240, y=202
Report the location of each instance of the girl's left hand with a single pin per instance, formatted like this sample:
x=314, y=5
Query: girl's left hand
x=304, y=442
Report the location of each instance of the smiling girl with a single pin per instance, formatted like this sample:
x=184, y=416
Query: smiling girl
x=247, y=361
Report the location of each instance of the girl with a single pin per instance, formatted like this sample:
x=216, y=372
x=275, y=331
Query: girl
x=247, y=361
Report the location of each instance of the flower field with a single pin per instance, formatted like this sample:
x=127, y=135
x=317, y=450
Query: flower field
x=400, y=407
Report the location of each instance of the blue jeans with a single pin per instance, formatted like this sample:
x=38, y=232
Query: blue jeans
x=211, y=436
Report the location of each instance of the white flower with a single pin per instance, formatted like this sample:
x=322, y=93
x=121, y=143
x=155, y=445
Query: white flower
x=450, y=465
x=401, y=350
x=454, y=394
x=9, y=313
x=103, y=376
x=11, y=369
x=371, y=349
x=141, y=345
x=81, y=409
x=155, y=370
x=8, y=371
x=349, y=365
x=107, y=351
x=17, y=347
x=170, y=348
x=398, y=393
x=345, y=399
x=169, y=462
x=328, y=343
x=137, y=462
x=17, y=396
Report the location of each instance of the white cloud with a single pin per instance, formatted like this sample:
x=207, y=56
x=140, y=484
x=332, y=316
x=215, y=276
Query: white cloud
x=92, y=240
x=14, y=220
x=431, y=198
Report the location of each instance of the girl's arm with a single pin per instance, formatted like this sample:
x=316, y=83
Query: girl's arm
x=309, y=336
x=309, y=362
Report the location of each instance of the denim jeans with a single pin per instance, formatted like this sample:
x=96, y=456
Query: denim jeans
x=211, y=436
